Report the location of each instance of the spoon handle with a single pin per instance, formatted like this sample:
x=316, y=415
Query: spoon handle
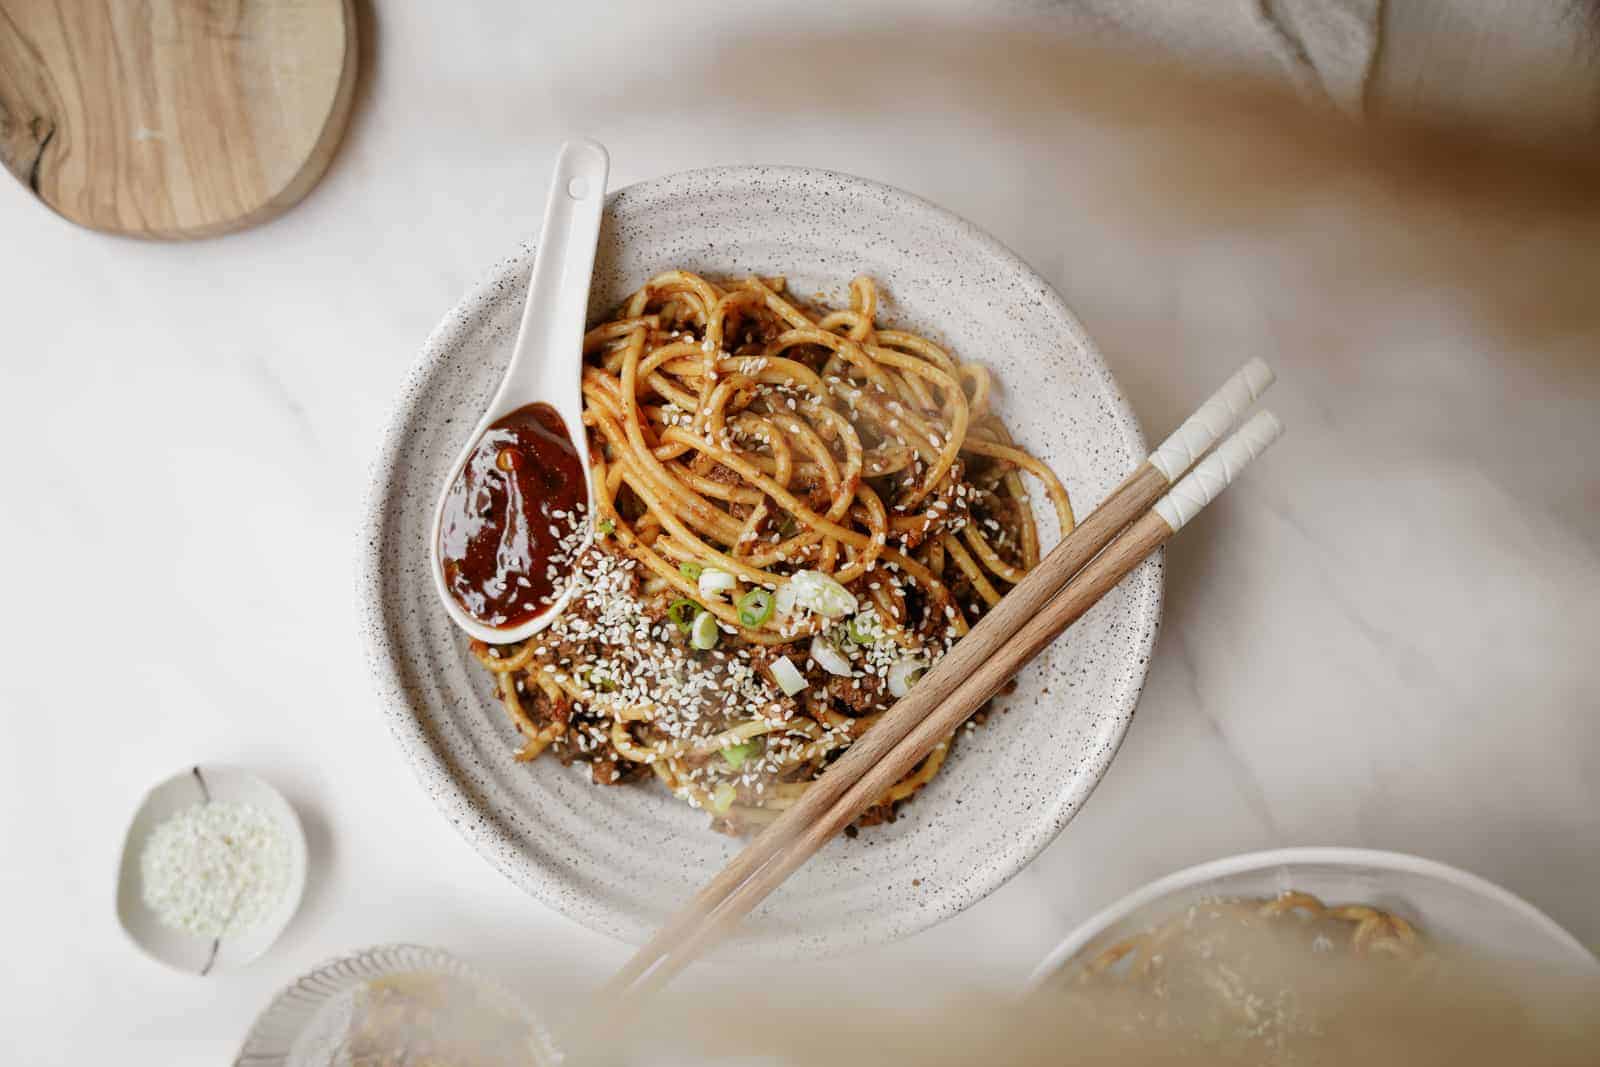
x=553, y=319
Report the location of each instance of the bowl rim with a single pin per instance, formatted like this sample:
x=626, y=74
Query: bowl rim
x=431, y=768
x=1334, y=856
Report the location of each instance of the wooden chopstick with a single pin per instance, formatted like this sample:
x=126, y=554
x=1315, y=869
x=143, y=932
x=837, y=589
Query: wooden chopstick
x=1147, y=533
x=1023, y=606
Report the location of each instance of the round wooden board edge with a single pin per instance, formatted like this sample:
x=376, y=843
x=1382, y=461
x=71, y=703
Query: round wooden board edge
x=296, y=189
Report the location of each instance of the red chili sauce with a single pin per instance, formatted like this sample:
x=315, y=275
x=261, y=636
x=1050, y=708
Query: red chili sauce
x=513, y=518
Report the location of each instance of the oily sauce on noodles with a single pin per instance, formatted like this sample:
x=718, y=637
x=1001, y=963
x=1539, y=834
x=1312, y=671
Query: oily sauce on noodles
x=507, y=515
x=798, y=510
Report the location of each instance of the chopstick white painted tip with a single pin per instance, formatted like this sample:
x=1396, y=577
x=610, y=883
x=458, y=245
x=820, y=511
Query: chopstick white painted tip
x=1214, y=418
x=1218, y=470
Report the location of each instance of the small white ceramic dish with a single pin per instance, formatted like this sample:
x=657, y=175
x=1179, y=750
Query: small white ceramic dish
x=187, y=952
x=620, y=860
x=1443, y=902
x=304, y=1024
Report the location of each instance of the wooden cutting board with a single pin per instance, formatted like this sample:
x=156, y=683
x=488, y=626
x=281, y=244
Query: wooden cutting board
x=173, y=118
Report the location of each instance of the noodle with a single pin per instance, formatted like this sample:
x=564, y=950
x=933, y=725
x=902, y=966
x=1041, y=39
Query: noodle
x=1367, y=930
x=741, y=439
x=1260, y=981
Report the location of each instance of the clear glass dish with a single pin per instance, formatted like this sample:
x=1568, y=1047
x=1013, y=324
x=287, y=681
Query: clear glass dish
x=373, y=998
x=1446, y=903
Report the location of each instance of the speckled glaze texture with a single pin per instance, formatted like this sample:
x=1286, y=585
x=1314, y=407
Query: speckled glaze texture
x=619, y=860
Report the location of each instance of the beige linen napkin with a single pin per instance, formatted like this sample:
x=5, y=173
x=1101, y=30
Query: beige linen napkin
x=1325, y=47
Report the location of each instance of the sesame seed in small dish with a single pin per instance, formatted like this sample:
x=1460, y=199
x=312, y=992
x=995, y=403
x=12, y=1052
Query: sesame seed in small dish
x=213, y=867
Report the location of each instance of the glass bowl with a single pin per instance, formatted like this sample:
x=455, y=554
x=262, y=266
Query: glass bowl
x=1445, y=903
x=309, y=1024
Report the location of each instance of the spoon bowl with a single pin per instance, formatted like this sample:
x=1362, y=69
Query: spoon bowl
x=547, y=362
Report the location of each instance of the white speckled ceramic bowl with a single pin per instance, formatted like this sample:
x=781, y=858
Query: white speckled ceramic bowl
x=620, y=859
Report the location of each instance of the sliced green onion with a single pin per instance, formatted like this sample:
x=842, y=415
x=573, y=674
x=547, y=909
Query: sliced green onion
x=605, y=527
x=755, y=607
x=735, y=755
x=690, y=570
x=863, y=629
x=601, y=681
x=682, y=613
x=714, y=582
x=722, y=798
x=787, y=675
x=704, y=633
x=829, y=658
x=904, y=674
x=820, y=593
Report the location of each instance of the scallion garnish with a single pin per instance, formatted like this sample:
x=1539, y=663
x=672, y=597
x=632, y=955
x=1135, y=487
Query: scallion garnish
x=755, y=607
x=704, y=634
x=682, y=614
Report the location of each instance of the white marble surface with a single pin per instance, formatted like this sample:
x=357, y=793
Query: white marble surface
x=1383, y=637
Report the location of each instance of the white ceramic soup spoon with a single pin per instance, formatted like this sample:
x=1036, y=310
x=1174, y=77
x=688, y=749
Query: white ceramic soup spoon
x=515, y=508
